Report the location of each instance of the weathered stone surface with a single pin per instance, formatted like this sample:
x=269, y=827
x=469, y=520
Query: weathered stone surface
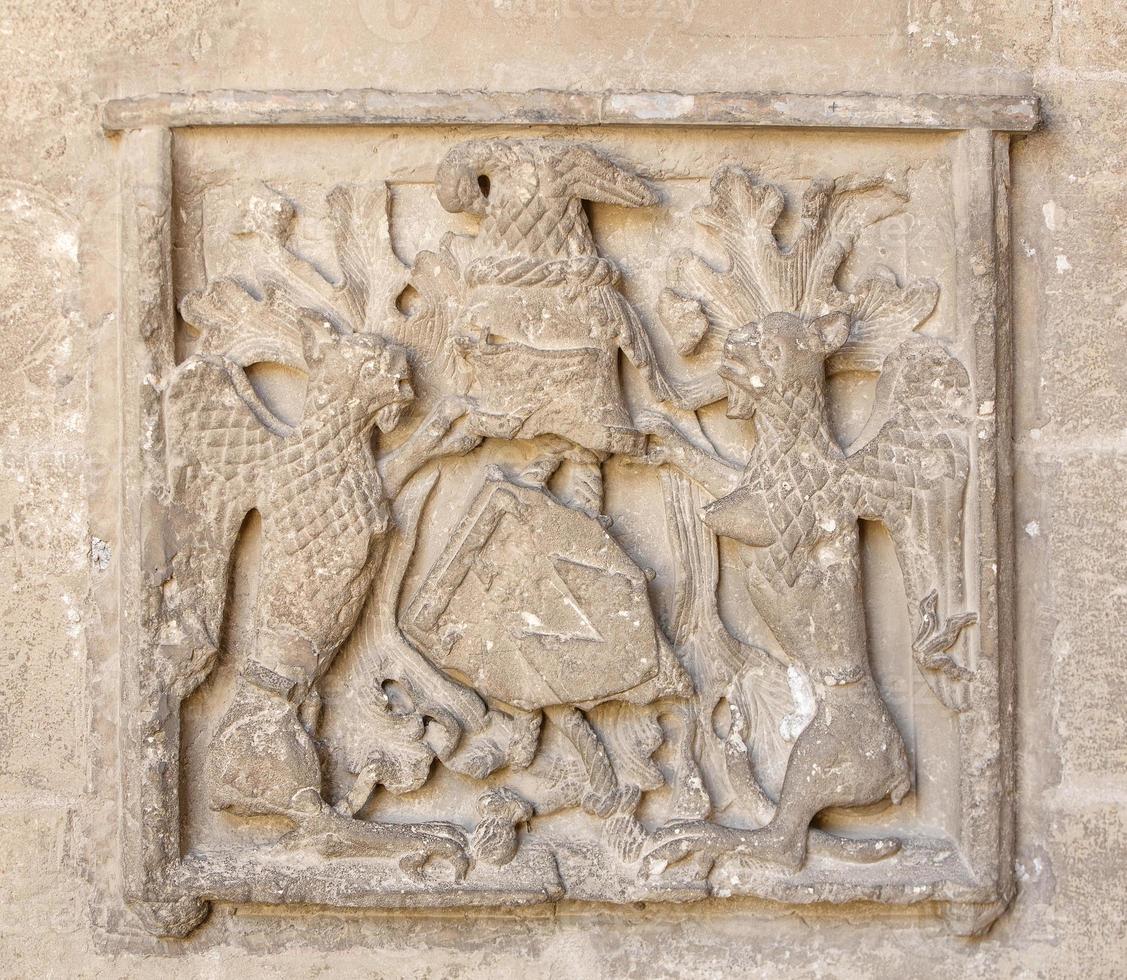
x=64, y=547
x=1088, y=656
x=508, y=677
x=1059, y=240
x=1092, y=35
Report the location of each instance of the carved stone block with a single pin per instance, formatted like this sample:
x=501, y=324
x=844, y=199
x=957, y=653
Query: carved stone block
x=522, y=506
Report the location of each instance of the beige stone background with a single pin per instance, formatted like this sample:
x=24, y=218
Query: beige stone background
x=58, y=282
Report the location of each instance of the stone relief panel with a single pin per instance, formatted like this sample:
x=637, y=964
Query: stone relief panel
x=572, y=515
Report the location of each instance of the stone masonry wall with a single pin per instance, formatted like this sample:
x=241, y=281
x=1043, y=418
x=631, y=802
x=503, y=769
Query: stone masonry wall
x=59, y=282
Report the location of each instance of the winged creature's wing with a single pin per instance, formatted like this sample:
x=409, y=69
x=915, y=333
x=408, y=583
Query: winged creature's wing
x=242, y=328
x=220, y=437
x=590, y=176
x=426, y=328
x=910, y=473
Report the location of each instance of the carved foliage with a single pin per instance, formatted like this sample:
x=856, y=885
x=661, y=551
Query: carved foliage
x=528, y=671
x=703, y=305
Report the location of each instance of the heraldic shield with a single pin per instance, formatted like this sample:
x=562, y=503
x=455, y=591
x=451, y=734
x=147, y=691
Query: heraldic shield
x=535, y=605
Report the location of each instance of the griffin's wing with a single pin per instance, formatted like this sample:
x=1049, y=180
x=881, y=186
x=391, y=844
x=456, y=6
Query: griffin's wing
x=590, y=176
x=220, y=435
x=883, y=315
x=911, y=474
x=437, y=294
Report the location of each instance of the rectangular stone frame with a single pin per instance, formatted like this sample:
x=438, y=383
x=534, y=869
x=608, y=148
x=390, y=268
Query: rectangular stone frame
x=174, y=889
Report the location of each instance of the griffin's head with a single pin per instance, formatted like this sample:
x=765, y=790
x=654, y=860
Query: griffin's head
x=781, y=350
x=360, y=372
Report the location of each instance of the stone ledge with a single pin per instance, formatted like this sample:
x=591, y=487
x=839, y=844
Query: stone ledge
x=546, y=107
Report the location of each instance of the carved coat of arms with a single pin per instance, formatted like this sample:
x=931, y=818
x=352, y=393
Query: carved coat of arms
x=497, y=576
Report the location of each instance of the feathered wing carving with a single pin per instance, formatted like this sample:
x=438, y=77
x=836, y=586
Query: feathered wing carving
x=911, y=467
x=882, y=314
x=221, y=438
x=239, y=326
x=530, y=193
x=325, y=519
x=913, y=459
x=437, y=278
x=590, y=176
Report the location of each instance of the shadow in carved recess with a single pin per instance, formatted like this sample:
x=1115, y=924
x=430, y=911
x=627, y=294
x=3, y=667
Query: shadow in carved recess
x=528, y=673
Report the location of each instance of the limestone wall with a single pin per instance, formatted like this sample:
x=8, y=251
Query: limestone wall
x=60, y=274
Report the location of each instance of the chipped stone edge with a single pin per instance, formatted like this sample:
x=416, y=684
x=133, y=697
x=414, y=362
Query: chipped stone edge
x=149, y=721
x=549, y=107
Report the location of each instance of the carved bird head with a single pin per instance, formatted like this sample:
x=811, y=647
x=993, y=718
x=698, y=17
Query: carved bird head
x=462, y=180
x=779, y=351
x=529, y=193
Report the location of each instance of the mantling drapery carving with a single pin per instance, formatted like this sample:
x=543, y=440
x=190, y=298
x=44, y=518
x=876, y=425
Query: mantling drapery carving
x=461, y=673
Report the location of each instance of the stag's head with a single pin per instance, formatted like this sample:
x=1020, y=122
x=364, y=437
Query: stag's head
x=780, y=351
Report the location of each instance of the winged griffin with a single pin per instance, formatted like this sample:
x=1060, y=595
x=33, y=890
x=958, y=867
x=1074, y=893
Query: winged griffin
x=324, y=503
x=772, y=325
